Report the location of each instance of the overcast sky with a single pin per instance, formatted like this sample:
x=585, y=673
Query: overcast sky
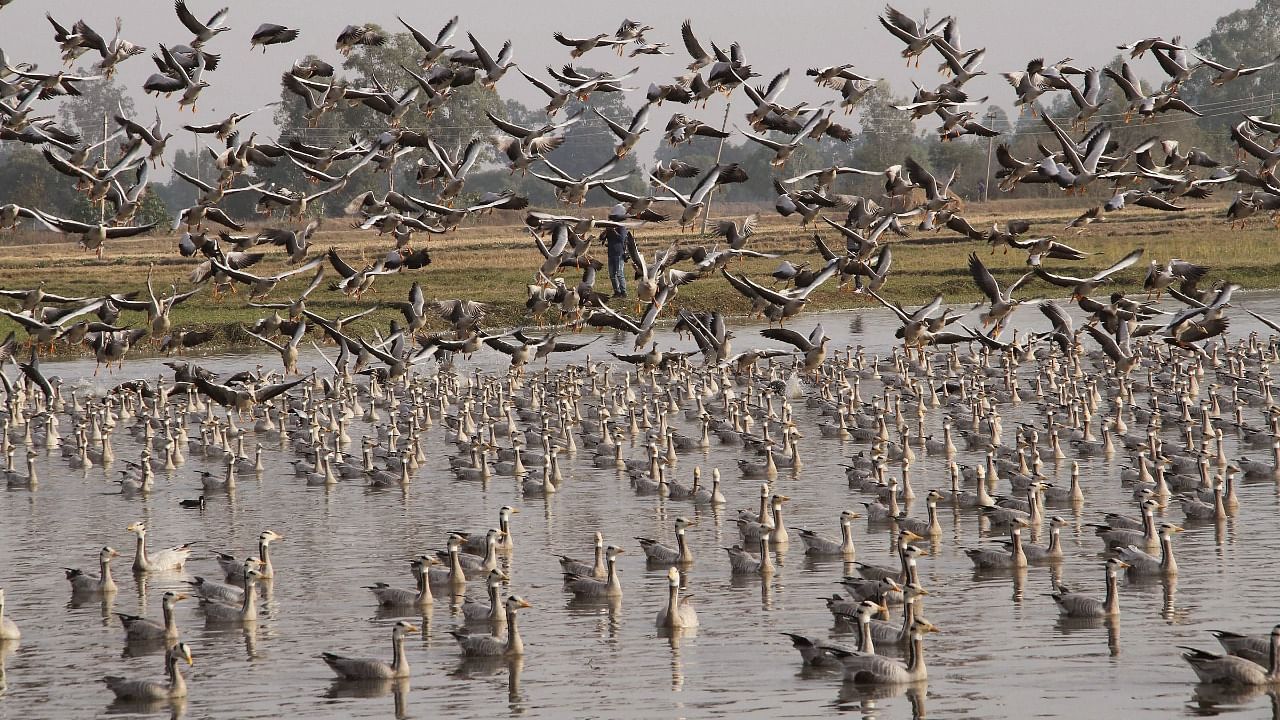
x=773, y=35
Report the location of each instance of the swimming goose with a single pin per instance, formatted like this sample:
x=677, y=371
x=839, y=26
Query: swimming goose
x=234, y=569
x=1250, y=647
x=816, y=545
x=169, y=559
x=906, y=560
x=678, y=613
x=478, y=544
x=153, y=690
x=222, y=592
x=1079, y=605
x=1115, y=536
x=813, y=650
x=1008, y=510
x=495, y=645
x=1037, y=555
x=819, y=653
x=872, y=669
x=767, y=469
x=883, y=631
x=657, y=553
x=598, y=569
x=82, y=584
x=30, y=480
x=1230, y=500
x=929, y=528
x=866, y=610
x=140, y=629
x=395, y=597
x=220, y=613
x=590, y=587
x=493, y=611
x=744, y=563
x=1197, y=509
x=1015, y=557
x=1231, y=670
x=453, y=575
x=476, y=564
x=771, y=526
x=349, y=668
x=8, y=628
x=1143, y=563
x=878, y=511
x=703, y=496
x=763, y=517
x=876, y=590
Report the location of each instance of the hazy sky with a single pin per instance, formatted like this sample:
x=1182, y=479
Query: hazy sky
x=773, y=35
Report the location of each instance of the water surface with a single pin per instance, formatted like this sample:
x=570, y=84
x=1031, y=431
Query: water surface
x=1002, y=652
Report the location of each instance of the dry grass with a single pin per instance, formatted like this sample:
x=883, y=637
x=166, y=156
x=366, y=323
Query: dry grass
x=494, y=261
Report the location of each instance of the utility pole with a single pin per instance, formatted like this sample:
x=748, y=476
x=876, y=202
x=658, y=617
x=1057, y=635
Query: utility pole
x=195, y=155
x=102, y=204
x=706, y=211
x=986, y=186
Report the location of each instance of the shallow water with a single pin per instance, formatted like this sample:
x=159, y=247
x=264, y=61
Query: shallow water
x=1002, y=651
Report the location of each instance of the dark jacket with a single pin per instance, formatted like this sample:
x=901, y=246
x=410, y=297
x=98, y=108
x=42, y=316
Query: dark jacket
x=616, y=240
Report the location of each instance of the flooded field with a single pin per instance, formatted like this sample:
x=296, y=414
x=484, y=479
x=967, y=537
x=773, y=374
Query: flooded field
x=1002, y=650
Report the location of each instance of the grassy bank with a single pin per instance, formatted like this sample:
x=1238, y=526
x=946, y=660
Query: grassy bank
x=492, y=263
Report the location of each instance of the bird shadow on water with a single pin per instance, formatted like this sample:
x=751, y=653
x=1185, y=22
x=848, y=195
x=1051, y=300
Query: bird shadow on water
x=177, y=707
x=1072, y=625
x=674, y=636
x=7, y=648
x=866, y=699
x=1209, y=700
x=488, y=667
x=398, y=689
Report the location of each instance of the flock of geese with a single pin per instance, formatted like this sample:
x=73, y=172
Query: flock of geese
x=1163, y=386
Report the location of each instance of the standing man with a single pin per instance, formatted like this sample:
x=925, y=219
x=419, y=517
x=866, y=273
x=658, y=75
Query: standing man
x=616, y=239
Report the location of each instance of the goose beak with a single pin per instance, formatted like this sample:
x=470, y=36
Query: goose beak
x=411, y=628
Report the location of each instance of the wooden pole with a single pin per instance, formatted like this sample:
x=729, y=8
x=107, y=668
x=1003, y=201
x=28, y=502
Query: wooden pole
x=706, y=212
x=102, y=204
x=986, y=186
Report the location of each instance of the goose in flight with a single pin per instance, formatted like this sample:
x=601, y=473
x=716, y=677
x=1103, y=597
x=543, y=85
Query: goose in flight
x=260, y=287
x=203, y=31
x=1081, y=287
x=695, y=203
x=272, y=34
x=1002, y=302
x=910, y=32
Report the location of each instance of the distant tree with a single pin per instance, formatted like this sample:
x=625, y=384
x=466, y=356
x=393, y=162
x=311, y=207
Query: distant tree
x=589, y=143
x=968, y=158
x=103, y=98
x=1246, y=37
x=452, y=126
x=26, y=179
x=887, y=134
